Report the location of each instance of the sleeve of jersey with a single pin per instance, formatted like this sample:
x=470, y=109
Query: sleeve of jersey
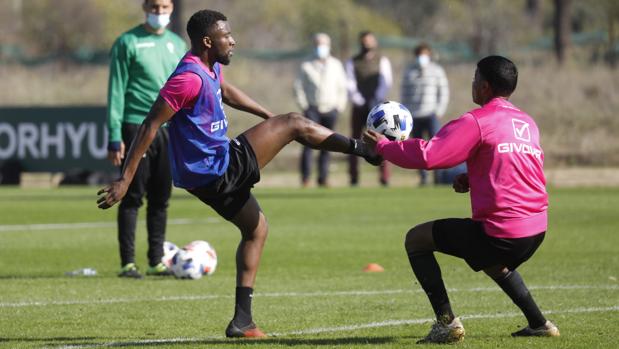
x=181, y=91
x=451, y=146
x=120, y=57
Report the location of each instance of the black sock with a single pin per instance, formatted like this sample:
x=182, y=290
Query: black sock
x=428, y=274
x=514, y=286
x=356, y=147
x=335, y=142
x=242, y=308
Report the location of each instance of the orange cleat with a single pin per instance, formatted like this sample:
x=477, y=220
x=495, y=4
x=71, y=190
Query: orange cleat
x=249, y=331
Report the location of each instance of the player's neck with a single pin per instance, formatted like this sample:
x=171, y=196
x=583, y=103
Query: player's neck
x=204, y=58
x=491, y=98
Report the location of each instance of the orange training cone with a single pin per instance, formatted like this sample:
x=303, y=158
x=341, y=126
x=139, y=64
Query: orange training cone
x=373, y=268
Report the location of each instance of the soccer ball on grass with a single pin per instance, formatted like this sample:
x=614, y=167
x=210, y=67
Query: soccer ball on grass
x=169, y=250
x=196, y=259
x=208, y=253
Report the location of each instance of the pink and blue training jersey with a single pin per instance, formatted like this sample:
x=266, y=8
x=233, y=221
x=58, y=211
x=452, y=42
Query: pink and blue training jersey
x=501, y=147
x=198, y=143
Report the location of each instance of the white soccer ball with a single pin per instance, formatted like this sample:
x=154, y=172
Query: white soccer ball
x=391, y=119
x=207, y=252
x=188, y=264
x=169, y=250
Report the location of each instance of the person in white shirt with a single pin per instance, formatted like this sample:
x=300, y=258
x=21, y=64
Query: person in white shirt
x=320, y=91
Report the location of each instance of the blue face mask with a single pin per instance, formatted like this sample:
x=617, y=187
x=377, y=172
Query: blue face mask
x=158, y=21
x=322, y=51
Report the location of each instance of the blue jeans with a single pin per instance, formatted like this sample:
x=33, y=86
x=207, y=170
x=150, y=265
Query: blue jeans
x=425, y=128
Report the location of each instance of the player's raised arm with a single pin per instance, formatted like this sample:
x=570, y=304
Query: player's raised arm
x=237, y=99
x=158, y=115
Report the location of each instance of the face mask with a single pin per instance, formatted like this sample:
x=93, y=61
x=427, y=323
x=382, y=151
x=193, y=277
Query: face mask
x=158, y=21
x=365, y=49
x=423, y=60
x=323, y=51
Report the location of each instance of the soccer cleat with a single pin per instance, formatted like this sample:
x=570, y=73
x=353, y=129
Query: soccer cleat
x=158, y=270
x=442, y=333
x=546, y=330
x=130, y=270
x=249, y=331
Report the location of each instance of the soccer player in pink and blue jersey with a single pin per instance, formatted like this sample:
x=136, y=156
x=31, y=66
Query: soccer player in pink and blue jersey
x=500, y=144
x=219, y=171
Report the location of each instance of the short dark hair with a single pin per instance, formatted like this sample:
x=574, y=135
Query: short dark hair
x=201, y=22
x=500, y=73
x=423, y=46
x=365, y=33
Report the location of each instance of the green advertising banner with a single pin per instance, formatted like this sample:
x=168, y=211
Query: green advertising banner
x=54, y=139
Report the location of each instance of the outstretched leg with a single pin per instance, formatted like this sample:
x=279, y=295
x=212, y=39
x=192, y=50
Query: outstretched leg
x=270, y=136
x=254, y=229
x=512, y=284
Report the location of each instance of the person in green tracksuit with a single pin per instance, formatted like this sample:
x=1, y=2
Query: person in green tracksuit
x=141, y=60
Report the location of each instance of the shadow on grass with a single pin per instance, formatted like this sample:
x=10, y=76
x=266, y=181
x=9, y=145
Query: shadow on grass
x=232, y=343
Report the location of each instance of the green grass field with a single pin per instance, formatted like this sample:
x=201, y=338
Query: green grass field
x=310, y=292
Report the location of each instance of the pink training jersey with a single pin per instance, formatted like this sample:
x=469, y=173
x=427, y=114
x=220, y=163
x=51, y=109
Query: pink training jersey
x=500, y=144
x=181, y=91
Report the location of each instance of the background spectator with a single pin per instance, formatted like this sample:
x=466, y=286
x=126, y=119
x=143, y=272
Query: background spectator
x=425, y=92
x=320, y=91
x=369, y=80
x=140, y=62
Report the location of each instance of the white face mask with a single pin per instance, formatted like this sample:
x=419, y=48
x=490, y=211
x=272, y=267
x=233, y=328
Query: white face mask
x=323, y=51
x=423, y=60
x=158, y=21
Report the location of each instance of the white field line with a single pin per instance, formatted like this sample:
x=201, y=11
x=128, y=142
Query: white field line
x=91, y=225
x=318, y=330
x=289, y=294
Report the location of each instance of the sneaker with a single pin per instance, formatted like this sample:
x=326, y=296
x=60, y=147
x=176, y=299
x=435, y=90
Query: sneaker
x=547, y=330
x=130, y=270
x=249, y=331
x=158, y=270
x=440, y=332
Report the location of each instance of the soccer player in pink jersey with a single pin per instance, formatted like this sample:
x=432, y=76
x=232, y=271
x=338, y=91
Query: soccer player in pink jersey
x=500, y=144
x=217, y=170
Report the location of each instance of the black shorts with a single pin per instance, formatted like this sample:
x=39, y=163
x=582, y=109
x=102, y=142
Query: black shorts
x=229, y=193
x=466, y=239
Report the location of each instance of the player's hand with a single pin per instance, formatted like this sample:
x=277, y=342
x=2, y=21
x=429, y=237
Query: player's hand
x=112, y=194
x=371, y=138
x=116, y=156
x=461, y=183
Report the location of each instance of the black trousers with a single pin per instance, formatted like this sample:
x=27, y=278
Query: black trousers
x=327, y=120
x=357, y=122
x=153, y=178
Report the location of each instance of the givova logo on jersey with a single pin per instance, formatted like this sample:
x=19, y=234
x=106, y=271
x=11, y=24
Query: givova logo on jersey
x=522, y=132
x=220, y=124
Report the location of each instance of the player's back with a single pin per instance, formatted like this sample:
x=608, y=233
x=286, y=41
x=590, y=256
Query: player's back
x=506, y=172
